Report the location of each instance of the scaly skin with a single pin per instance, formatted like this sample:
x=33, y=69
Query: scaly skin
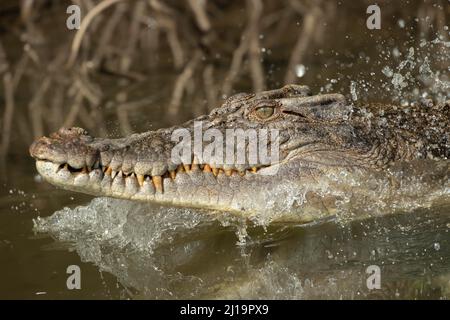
x=319, y=135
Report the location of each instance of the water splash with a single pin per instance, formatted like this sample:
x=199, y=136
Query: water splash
x=163, y=253
x=402, y=74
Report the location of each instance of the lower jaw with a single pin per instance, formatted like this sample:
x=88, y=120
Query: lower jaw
x=180, y=192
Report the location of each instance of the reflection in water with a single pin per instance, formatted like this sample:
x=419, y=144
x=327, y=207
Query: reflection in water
x=162, y=252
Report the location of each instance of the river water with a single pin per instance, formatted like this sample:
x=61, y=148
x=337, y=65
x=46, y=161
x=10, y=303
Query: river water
x=128, y=250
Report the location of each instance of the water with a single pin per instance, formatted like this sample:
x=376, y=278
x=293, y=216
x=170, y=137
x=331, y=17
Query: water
x=132, y=250
x=166, y=253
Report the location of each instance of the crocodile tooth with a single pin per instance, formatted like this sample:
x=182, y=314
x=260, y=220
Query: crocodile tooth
x=172, y=174
x=95, y=178
x=108, y=170
x=241, y=173
x=66, y=166
x=194, y=167
x=118, y=184
x=228, y=172
x=187, y=167
x=254, y=169
x=140, y=179
x=113, y=173
x=84, y=170
x=180, y=168
x=131, y=184
x=59, y=168
x=148, y=187
x=206, y=168
x=215, y=171
x=157, y=181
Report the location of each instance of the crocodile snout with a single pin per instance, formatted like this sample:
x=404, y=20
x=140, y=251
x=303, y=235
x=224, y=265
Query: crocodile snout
x=69, y=146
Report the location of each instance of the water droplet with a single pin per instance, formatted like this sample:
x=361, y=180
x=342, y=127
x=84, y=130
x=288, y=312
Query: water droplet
x=387, y=72
x=300, y=70
x=396, y=52
x=353, y=91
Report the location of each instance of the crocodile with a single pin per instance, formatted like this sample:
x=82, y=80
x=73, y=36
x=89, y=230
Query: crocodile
x=326, y=149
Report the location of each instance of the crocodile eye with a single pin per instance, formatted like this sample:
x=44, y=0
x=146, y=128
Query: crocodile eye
x=264, y=112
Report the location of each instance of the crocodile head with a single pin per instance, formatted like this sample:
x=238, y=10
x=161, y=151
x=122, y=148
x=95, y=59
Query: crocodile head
x=242, y=157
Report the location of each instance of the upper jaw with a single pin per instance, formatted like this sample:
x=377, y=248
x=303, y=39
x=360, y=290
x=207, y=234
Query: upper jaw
x=114, y=167
x=69, y=156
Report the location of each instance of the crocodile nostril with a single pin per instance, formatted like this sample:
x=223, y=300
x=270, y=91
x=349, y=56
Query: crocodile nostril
x=74, y=130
